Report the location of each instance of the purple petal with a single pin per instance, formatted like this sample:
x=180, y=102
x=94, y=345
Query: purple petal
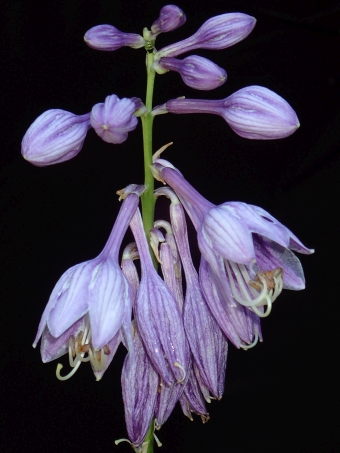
x=270, y=255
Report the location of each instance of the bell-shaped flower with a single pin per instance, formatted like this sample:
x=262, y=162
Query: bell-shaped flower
x=253, y=112
x=249, y=252
x=109, y=38
x=207, y=343
x=158, y=316
x=54, y=137
x=216, y=33
x=114, y=118
x=170, y=18
x=197, y=72
x=140, y=389
x=90, y=303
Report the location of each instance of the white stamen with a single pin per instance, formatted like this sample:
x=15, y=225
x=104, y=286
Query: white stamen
x=178, y=365
x=158, y=442
x=249, y=296
x=70, y=374
x=251, y=345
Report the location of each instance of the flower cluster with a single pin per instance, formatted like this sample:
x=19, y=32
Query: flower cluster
x=177, y=339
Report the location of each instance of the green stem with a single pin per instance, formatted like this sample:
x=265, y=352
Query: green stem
x=148, y=198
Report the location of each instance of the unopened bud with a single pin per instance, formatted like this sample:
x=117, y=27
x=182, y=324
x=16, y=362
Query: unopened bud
x=109, y=38
x=216, y=33
x=170, y=18
x=113, y=119
x=54, y=137
x=197, y=72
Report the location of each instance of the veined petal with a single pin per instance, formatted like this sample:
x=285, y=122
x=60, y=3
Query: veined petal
x=270, y=255
x=71, y=298
x=228, y=235
x=108, y=291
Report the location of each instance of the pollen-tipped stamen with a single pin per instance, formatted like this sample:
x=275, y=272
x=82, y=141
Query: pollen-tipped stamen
x=78, y=348
x=178, y=365
x=262, y=291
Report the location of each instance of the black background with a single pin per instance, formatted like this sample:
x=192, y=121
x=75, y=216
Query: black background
x=279, y=396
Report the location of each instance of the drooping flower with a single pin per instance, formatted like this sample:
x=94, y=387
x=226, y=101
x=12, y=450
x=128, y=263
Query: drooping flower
x=197, y=72
x=248, y=251
x=54, y=137
x=207, y=343
x=114, y=118
x=253, y=112
x=216, y=33
x=158, y=316
x=170, y=18
x=109, y=38
x=140, y=389
x=90, y=303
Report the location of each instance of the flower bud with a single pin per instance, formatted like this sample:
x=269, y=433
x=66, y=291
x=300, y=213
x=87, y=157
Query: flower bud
x=170, y=18
x=109, y=38
x=258, y=113
x=197, y=72
x=54, y=137
x=216, y=33
x=253, y=112
x=113, y=119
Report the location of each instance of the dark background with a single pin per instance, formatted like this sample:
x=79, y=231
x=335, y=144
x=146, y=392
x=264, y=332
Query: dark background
x=279, y=396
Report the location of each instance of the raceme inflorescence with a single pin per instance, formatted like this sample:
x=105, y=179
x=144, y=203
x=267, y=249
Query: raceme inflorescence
x=175, y=322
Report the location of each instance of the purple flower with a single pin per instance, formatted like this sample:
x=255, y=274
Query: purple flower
x=54, y=137
x=113, y=119
x=109, y=38
x=207, y=343
x=197, y=72
x=216, y=33
x=170, y=18
x=139, y=384
x=253, y=112
x=249, y=252
x=90, y=303
x=158, y=316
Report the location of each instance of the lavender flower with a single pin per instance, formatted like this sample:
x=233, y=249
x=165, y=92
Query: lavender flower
x=158, y=316
x=139, y=385
x=207, y=343
x=197, y=72
x=90, y=303
x=170, y=18
x=248, y=250
x=109, y=38
x=54, y=137
x=113, y=119
x=216, y=33
x=253, y=112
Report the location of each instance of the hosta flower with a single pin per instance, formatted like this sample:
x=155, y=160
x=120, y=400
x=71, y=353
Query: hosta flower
x=216, y=33
x=197, y=72
x=249, y=252
x=158, y=316
x=113, y=119
x=54, y=137
x=206, y=340
x=140, y=389
x=170, y=18
x=90, y=303
x=253, y=112
x=109, y=38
